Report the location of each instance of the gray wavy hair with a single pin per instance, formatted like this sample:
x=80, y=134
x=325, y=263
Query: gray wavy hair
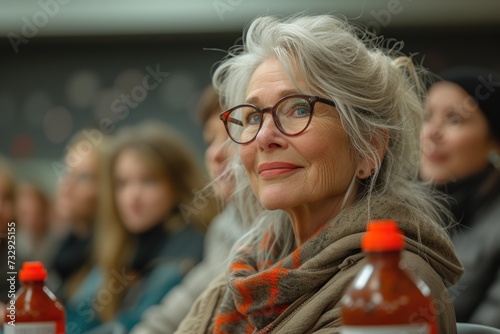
x=376, y=91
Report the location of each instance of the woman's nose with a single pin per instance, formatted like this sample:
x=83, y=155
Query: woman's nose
x=432, y=128
x=435, y=132
x=269, y=136
x=432, y=135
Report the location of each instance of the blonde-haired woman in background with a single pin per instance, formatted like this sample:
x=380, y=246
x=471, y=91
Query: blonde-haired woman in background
x=144, y=243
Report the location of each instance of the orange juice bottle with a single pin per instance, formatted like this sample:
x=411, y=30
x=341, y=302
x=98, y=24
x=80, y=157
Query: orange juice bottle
x=36, y=308
x=384, y=297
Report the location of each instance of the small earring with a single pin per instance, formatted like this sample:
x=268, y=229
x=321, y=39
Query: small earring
x=361, y=172
x=494, y=158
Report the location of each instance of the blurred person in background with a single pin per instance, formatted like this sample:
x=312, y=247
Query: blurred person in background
x=60, y=212
x=222, y=233
x=75, y=208
x=34, y=241
x=461, y=156
x=145, y=244
x=7, y=216
x=7, y=195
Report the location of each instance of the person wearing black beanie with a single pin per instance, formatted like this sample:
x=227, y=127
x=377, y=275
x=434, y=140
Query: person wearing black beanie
x=461, y=157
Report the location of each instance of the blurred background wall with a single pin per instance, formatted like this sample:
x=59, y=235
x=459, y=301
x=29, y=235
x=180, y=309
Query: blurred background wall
x=69, y=64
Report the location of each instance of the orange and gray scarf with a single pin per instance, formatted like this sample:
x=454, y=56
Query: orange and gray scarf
x=258, y=293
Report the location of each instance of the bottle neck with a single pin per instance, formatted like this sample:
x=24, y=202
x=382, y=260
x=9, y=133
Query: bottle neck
x=386, y=258
x=33, y=284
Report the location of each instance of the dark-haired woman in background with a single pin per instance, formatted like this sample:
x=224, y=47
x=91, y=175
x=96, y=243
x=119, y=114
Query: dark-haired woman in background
x=461, y=156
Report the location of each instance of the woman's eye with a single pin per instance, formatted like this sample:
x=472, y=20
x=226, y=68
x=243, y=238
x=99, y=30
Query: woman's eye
x=298, y=111
x=301, y=112
x=454, y=119
x=253, y=118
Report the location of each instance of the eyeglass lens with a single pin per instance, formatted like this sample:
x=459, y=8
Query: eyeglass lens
x=292, y=117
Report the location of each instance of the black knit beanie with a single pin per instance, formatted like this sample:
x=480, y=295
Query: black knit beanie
x=483, y=85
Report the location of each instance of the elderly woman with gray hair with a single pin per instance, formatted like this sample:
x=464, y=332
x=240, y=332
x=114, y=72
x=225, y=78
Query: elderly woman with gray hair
x=327, y=127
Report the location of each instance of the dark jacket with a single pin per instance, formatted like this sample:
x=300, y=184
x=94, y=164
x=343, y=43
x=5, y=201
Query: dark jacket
x=72, y=255
x=476, y=205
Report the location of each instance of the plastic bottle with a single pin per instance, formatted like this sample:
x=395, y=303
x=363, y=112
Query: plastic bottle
x=383, y=297
x=37, y=310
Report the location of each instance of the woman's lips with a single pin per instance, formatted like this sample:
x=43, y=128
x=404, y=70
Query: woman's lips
x=437, y=157
x=274, y=169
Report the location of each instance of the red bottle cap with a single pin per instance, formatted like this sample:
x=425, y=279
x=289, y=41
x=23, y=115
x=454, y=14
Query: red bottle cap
x=32, y=271
x=382, y=235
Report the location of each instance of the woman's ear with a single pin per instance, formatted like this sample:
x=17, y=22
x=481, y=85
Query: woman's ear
x=368, y=165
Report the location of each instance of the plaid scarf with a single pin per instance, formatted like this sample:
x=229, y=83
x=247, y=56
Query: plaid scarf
x=259, y=292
